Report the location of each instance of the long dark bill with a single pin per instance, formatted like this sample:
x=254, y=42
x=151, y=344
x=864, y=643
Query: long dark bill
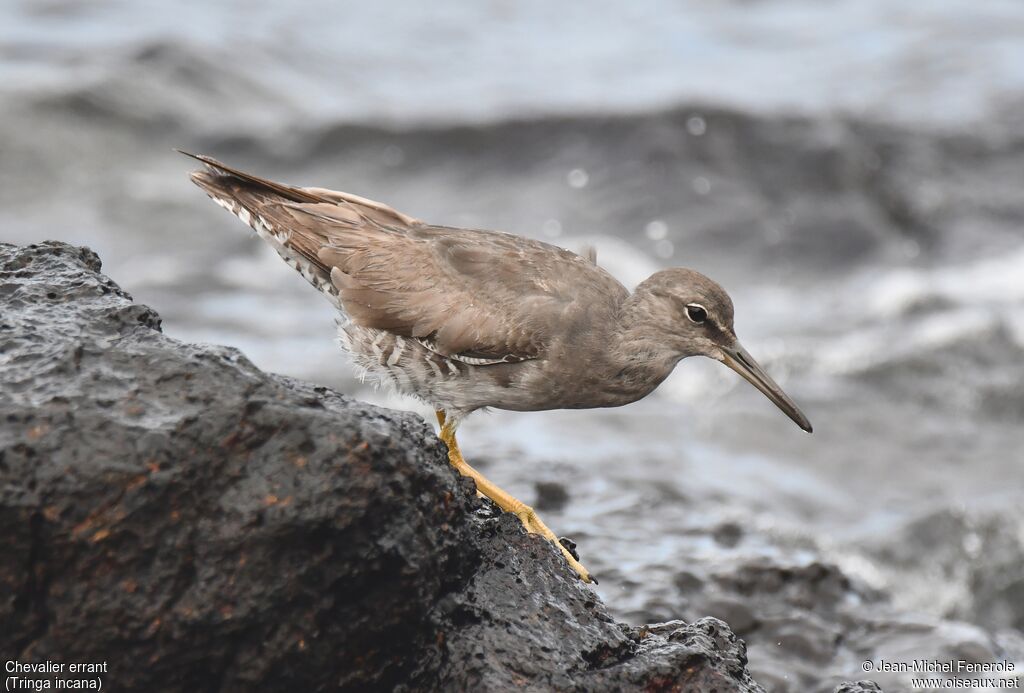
x=743, y=363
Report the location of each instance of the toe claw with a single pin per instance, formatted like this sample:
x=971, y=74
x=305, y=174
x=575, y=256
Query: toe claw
x=570, y=546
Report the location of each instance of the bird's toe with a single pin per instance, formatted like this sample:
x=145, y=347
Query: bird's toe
x=570, y=546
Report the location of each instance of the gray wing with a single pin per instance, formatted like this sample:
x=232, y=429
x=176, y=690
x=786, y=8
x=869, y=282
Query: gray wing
x=477, y=293
x=484, y=296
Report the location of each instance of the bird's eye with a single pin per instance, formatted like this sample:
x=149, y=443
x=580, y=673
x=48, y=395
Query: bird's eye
x=696, y=312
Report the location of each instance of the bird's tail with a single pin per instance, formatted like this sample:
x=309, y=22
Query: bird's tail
x=219, y=179
x=260, y=204
x=296, y=222
x=223, y=180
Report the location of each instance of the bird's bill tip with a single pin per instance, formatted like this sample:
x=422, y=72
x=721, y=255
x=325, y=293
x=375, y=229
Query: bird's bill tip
x=738, y=359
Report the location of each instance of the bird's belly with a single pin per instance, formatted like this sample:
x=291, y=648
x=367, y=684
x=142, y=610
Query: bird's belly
x=408, y=367
x=405, y=365
x=573, y=384
x=539, y=386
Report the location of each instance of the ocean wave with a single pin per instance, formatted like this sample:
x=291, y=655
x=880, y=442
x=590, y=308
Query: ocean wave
x=407, y=63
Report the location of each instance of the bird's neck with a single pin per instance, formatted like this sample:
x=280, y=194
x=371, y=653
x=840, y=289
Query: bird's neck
x=643, y=358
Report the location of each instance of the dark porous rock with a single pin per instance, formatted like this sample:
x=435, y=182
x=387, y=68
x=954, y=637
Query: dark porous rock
x=201, y=525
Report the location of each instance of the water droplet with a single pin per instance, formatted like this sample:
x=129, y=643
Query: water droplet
x=911, y=248
x=664, y=249
x=696, y=126
x=701, y=185
x=551, y=228
x=656, y=229
x=578, y=178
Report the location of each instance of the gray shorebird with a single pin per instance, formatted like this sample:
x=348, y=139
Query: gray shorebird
x=466, y=319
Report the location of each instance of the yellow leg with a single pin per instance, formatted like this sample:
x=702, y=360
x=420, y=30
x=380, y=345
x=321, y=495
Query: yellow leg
x=506, y=502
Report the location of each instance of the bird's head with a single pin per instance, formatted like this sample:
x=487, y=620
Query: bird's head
x=693, y=316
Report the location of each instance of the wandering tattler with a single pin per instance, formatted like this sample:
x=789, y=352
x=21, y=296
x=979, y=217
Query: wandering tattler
x=465, y=319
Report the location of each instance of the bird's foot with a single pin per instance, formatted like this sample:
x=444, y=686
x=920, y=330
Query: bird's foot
x=507, y=502
x=533, y=525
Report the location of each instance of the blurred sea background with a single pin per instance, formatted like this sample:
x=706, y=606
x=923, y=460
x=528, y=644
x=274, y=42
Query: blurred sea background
x=852, y=172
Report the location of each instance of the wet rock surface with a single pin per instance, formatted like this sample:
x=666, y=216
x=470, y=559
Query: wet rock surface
x=811, y=627
x=202, y=525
